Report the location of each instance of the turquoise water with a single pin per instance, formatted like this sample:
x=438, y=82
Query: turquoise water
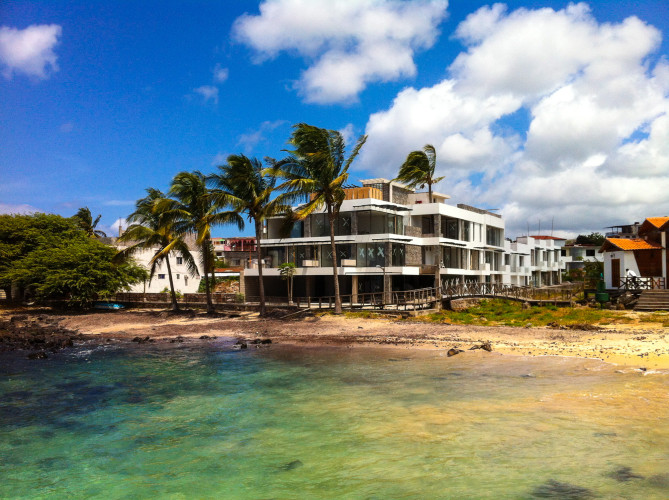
x=201, y=421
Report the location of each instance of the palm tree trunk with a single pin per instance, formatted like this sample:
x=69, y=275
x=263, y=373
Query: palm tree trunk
x=331, y=217
x=175, y=305
x=261, y=284
x=205, y=261
x=429, y=190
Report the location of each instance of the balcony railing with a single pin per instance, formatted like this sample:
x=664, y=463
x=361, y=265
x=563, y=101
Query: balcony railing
x=642, y=283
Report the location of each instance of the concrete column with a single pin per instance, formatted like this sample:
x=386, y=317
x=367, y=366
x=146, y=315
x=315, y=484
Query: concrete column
x=663, y=240
x=354, y=288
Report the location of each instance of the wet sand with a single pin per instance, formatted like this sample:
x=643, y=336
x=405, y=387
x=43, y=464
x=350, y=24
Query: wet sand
x=639, y=345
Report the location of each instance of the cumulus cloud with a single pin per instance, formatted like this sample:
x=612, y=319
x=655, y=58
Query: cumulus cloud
x=8, y=208
x=347, y=44
x=593, y=150
x=29, y=51
x=208, y=93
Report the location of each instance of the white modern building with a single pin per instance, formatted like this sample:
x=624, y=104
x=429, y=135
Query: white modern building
x=389, y=237
x=184, y=282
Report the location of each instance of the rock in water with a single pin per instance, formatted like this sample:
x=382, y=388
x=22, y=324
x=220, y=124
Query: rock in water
x=291, y=465
x=563, y=491
x=453, y=351
x=624, y=474
x=38, y=355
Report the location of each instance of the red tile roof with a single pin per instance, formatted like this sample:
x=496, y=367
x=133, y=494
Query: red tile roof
x=629, y=244
x=547, y=238
x=658, y=222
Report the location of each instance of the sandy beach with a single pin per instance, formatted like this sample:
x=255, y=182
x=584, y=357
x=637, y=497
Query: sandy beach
x=636, y=344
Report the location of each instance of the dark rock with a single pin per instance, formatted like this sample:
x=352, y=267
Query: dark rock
x=453, y=351
x=205, y=337
x=266, y=341
x=486, y=346
x=141, y=340
x=240, y=345
x=563, y=491
x=177, y=340
x=37, y=355
x=624, y=474
x=291, y=465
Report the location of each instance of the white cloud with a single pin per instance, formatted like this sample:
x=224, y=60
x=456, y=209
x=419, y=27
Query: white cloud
x=219, y=159
x=118, y=203
x=252, y=139
x=8, y=208
x=348, y=44
x=29, y=51
x=220, y=74
x=208, y=93
x=596, y=150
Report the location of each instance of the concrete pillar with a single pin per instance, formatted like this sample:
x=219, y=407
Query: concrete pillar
x=663, y=240
x=354, y=288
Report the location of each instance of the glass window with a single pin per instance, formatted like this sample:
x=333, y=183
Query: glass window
x=180, y=260
x=370, y=254
x=465, y=231
x=161, y=276
x=397, y=254
x=297, y=231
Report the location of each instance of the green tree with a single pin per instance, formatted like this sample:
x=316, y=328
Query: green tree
x=316, y=170
x=23, y=234
x=419, y=168
x=287, y=271
x=590, y=239
x=245, y=186
x=193, y=210
x=59, y=261
x=151, y=229
x=84, y=219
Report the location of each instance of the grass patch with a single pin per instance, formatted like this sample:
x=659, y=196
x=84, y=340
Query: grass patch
x=496, y=312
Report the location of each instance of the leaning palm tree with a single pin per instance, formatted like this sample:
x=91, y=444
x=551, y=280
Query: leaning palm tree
x=193, y=210
x=84, y=220
x=245, y=186
x=316, y=169
x=151, y=229
x=418, y=169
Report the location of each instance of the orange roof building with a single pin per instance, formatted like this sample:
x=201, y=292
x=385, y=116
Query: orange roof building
x=636, y=260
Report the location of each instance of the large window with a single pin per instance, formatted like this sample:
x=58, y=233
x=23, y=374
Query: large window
x=493, y=236
x=452, y=257
x=297, y=231
x=370, y=222
x=370, y=254
x=449, y=228
x=320, y=225
x=397, y=254
x=343, y=252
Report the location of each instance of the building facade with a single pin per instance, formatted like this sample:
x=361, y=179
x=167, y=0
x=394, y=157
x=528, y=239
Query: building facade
x=390, y=238
x=646, y=255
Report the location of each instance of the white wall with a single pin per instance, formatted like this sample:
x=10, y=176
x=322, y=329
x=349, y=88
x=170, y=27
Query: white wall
x=183, y=281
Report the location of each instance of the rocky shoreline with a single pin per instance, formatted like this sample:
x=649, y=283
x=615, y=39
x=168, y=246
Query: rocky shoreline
x=38, y=332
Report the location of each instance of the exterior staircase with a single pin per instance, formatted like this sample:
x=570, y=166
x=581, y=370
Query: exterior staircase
x=653, y=300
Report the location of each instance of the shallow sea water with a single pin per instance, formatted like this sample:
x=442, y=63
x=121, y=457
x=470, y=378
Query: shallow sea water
x=198, y=420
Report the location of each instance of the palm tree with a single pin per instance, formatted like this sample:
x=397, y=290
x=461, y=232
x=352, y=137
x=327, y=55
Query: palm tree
x=418, y=169
x=244, y=185
x=151, y=229
x=85, y=221
x=318, y=168
x=193, y=210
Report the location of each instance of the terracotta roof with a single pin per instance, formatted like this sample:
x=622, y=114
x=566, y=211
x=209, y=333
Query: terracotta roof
x=629, y=244
x=658, y=222
x=547, y=238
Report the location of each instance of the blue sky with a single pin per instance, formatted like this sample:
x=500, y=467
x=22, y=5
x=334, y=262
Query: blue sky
x=551, y=112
